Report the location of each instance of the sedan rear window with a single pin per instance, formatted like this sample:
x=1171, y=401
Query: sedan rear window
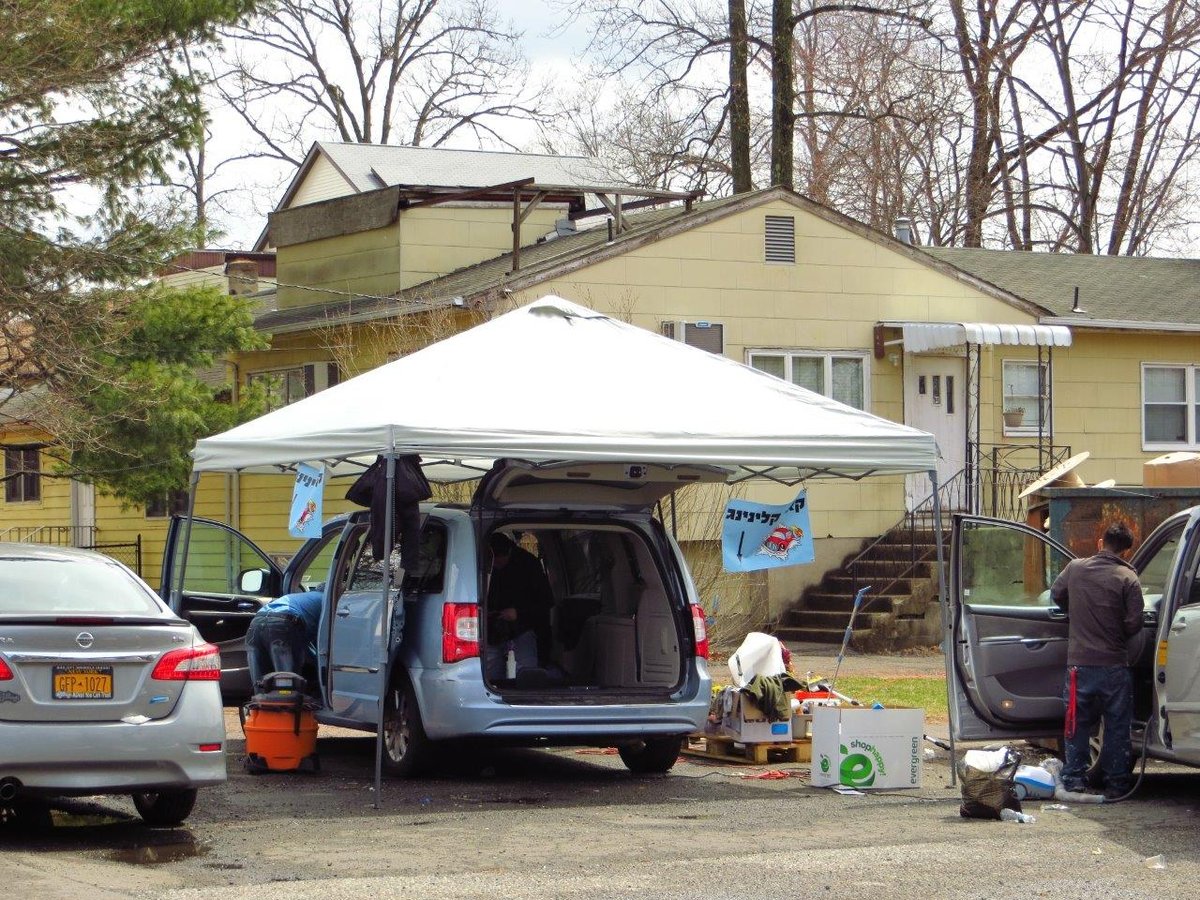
x=41, y=586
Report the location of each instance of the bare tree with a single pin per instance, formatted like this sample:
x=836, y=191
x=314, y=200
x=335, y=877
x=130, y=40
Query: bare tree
x=421, y=72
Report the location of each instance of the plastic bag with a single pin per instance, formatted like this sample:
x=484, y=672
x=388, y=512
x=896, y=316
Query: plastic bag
x=759, y=654
x=986, y=793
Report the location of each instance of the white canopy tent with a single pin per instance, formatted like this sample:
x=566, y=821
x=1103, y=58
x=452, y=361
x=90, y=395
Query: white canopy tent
x=555, y=381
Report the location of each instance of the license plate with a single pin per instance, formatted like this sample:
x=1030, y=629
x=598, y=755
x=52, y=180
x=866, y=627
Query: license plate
x=83, y=682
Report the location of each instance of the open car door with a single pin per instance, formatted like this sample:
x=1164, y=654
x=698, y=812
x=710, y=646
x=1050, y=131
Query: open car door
x=1010, y=641
x=1178, y=662
x=226, y=579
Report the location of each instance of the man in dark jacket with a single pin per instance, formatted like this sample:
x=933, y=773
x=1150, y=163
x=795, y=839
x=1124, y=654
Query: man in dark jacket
x=519, y=600
x=1104, y=599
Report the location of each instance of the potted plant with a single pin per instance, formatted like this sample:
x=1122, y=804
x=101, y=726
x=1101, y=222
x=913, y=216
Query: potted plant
x=1014, y=416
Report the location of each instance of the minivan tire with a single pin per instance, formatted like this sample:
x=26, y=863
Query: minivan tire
x=653, y=756
x=406, y=749
x=165, y=809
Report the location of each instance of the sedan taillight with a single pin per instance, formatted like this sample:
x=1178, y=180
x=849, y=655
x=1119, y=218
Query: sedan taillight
x=5, y=672
x=202, y=663
x=460, y=631
x=700, y=630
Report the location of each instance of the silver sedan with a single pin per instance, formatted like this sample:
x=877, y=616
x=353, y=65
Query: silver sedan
x=103, y=690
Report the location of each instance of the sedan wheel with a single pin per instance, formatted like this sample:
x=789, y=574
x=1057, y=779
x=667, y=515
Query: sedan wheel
x=164, y=809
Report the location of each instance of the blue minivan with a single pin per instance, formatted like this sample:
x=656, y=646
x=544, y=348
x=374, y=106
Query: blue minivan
x=625, y=659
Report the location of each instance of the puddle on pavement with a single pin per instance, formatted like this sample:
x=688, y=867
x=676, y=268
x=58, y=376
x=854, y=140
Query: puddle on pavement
x=156, y=855
x=64, y=819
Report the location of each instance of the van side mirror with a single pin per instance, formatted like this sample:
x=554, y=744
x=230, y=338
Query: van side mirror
x=252, y=581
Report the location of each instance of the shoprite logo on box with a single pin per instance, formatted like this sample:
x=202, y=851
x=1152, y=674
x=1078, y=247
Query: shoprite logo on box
x=861, y=762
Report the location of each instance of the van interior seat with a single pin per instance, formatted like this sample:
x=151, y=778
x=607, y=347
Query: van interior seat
x=657, y=638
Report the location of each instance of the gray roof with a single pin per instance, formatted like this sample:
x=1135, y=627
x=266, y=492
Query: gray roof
x=1111, y=288
x=537, y=261
x=372, y=166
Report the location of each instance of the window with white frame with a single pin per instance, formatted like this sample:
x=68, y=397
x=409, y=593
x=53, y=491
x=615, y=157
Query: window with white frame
x=284, y=386
x=1026, y=388
x=1170, y=406
x=839, y=375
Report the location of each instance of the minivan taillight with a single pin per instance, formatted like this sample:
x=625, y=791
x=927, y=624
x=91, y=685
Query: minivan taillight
x=700, y=630
x=460, y=631
x=202, y=663
x=5, y=671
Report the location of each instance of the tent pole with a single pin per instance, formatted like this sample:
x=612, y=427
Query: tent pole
x=175, y=590
x=947, y=621
x=385, y=613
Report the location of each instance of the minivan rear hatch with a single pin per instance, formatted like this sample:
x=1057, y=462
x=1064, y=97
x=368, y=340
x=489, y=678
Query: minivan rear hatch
x=599, y=486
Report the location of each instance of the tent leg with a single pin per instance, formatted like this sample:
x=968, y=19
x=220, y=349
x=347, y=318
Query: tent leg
x=947, y=621
x=386, y=623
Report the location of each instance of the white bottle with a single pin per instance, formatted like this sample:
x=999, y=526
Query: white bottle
x=510, y=664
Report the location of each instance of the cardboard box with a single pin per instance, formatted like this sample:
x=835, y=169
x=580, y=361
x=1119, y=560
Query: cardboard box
x=1172, y=470
x=743, y=721
x=867, y=748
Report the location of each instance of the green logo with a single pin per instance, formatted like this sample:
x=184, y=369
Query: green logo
x=824, y=763
x=857, y=771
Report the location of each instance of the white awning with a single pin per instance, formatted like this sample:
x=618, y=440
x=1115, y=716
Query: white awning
x=920, y=336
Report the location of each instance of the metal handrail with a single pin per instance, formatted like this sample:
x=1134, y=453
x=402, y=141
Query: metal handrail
x=55, y=535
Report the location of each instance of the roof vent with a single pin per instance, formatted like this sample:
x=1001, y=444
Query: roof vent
x=1075, y=307
x=903, y=230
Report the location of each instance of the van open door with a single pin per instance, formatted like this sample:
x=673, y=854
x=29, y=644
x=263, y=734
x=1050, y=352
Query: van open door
x=1010, y=640
x=1178, y=661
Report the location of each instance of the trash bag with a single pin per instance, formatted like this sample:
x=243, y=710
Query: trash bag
x=985, y=794
x=759, y=654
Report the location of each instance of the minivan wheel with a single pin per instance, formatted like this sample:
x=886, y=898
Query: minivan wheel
x=652, y=756
x=406, y=748
x=164, y=809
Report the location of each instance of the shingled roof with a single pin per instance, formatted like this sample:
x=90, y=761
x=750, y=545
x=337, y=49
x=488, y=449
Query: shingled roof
x=1112, y=289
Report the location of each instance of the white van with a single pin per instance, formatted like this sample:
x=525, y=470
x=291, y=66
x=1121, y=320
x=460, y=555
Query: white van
x=1007, y=666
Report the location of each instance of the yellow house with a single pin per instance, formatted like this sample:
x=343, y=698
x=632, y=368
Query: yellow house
x=381, y=249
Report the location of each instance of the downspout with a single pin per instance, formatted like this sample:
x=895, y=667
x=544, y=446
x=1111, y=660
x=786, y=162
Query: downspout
x=947, y=622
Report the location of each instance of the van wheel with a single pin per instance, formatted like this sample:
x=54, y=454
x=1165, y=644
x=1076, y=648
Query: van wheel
x=406, y=748
x=651, y=757
x=164, y=809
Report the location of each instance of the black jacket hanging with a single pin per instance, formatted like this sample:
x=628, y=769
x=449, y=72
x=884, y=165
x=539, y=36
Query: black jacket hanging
x=410, y=487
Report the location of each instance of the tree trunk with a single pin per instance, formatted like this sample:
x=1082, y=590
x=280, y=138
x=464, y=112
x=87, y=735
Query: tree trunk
x=739, y=99
x=783, y=92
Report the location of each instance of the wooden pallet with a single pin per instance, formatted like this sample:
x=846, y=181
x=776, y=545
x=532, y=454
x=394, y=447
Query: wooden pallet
x=726, y=749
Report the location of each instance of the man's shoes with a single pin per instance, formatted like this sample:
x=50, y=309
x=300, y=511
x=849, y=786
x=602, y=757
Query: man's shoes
x=1115, y=793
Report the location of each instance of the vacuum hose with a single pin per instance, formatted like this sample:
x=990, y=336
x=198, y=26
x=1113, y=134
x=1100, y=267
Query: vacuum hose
x=1142, y=774
x=9, y=788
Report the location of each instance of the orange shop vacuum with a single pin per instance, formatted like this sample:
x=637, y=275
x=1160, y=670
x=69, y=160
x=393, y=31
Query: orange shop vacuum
x=280, y=726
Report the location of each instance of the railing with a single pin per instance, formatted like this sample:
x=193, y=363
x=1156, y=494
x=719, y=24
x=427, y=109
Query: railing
x=994, y=492
x=58, y=535
x=1004, y=471
x=81, y=536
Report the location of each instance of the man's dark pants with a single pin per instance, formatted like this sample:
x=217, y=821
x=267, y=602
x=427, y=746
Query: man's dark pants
x=1100, y=692
x=275, y=642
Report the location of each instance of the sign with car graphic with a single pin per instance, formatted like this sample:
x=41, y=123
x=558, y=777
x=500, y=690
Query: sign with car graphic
x=304, y=520
x=766, y=536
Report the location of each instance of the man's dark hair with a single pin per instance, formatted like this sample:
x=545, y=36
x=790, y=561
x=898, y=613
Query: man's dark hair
x=1117, y=537
x=501, y=543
